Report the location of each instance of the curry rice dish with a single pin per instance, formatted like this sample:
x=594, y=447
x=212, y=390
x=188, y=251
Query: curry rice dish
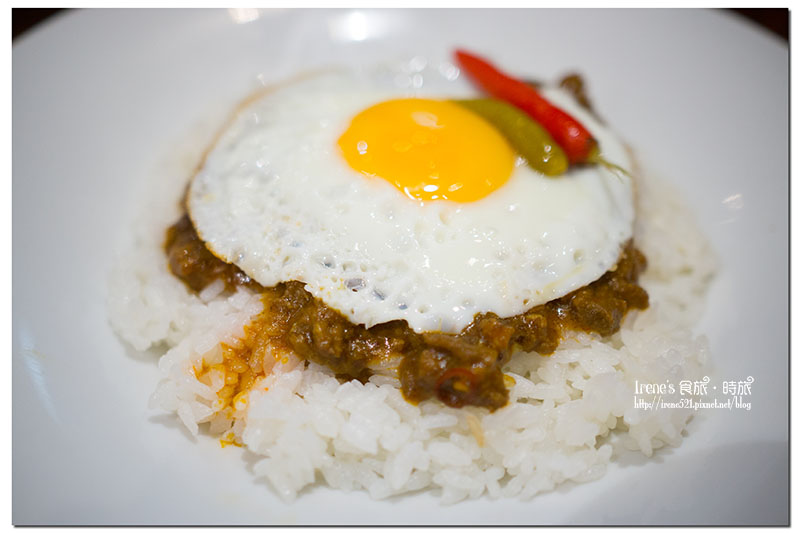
x=508, y=405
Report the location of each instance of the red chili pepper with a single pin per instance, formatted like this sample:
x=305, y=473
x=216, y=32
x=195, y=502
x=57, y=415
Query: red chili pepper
x=574, y=139
x=447, y=386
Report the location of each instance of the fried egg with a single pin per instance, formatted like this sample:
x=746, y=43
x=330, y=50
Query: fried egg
x=395, y=204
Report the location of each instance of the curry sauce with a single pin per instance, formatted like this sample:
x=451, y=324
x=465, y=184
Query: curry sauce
x=458, y=369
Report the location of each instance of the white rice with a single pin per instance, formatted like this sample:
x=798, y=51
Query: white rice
x=567, y=412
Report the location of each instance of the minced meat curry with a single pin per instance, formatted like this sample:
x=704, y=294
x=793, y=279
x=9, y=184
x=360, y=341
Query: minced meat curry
x=458, y=369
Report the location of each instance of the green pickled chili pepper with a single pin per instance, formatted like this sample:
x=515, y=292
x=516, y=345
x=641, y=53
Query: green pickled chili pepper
x=526, y=136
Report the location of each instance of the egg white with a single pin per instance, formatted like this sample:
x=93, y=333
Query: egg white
x=276, y=198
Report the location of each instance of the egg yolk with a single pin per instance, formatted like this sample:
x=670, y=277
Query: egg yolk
x=429, y=149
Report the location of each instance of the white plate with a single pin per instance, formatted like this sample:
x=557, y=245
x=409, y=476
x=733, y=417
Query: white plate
x=102, y=98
